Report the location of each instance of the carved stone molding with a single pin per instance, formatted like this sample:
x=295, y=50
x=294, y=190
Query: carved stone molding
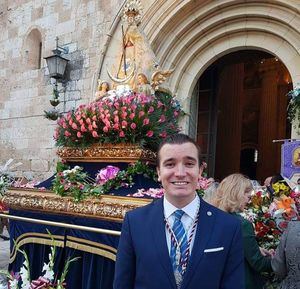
x=107, y=153
x=107, y=207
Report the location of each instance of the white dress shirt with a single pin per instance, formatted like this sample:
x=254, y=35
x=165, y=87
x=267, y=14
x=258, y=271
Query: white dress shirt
x=188, y=218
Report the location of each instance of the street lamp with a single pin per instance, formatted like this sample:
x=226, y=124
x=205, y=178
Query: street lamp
x=56, y=63
x=57, y=67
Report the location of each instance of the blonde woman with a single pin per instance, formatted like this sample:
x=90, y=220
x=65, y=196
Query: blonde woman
x=232, y=196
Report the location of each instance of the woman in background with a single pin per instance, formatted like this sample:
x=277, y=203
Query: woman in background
x=232, y=196
x=286, y=261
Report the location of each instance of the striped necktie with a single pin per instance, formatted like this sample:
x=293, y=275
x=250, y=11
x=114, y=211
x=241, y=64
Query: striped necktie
x=179, y=247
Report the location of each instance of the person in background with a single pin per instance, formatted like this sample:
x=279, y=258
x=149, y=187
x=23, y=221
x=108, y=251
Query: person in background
x=179, y=241
x=210, y=191
x=286, y=261
x=232, y=196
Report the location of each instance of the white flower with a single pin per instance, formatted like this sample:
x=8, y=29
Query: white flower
x=49, y=274
x=13, y=284
x=25, y=277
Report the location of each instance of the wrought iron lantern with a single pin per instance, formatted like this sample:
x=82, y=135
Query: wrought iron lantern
x=56, y=63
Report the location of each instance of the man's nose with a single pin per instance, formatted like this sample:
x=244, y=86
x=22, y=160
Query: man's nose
x=180, y=170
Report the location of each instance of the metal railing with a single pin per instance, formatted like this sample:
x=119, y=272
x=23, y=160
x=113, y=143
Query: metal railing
x=63, y=225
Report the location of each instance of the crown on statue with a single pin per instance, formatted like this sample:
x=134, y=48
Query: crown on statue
x=132, y=12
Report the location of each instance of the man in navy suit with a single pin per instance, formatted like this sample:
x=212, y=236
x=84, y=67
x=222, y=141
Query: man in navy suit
x=179, y=241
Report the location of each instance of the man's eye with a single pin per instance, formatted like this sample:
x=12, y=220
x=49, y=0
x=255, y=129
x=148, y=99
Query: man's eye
x=169, y=165
x=190, y=164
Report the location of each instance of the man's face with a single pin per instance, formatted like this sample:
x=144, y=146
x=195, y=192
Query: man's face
x=179, y=172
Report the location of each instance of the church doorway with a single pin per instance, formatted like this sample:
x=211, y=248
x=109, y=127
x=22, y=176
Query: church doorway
x=241, y=100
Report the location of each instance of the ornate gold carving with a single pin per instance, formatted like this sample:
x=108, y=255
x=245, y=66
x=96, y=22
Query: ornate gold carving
x=107, y=153
x=108, y=207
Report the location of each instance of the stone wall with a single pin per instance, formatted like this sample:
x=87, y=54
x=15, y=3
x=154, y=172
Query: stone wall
x=81, y=26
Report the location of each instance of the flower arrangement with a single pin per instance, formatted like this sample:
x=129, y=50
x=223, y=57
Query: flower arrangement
x=6, y=177
x=257, y=213
x=129, y=118
x=78, y=184
x=270, y=213
x=294, y=106
x=49, y=279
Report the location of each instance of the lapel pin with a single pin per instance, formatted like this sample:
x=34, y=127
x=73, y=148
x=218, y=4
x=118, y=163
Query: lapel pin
x=209, y=213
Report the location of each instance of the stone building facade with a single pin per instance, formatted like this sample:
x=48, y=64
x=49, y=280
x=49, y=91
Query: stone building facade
x=186, y=35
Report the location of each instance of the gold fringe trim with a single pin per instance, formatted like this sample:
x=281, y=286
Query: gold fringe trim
x=35, y=238
x=72, y=242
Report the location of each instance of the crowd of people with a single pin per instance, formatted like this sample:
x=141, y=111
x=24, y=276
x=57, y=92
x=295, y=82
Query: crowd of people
x=183, y=241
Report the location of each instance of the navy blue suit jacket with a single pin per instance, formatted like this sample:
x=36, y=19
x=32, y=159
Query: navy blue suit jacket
x=143, y=261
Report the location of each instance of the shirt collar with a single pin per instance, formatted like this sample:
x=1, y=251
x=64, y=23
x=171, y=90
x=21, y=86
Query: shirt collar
x=190, y=209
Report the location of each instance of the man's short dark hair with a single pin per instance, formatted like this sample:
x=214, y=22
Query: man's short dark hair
x=178, y=139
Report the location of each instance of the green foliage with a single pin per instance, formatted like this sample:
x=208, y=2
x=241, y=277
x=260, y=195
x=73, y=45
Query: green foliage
x=77, y=184
x=294, y=106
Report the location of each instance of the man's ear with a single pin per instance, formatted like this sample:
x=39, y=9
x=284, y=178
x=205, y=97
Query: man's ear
x=158, y=173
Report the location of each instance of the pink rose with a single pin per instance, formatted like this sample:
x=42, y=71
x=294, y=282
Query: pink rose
x=105, y=129
x=124, y=124
x=56, y=134
x=88, y=121
x=162, y=119
x=67, y=133
x=74, y=126
x=94, y=125
x=95, y=134
x=79, y=135
x=141, y=113
x=121, y=134
x=133, y=125
x=83, y=128
x=163, y=134
x=151, y=109
x=131, y=116
x=149, y=133
x=146, y=121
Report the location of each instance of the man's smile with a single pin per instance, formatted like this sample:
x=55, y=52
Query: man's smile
x=180, y=183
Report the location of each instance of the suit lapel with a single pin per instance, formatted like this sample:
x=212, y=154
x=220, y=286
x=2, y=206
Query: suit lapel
x=159, y=237
x=203, y=234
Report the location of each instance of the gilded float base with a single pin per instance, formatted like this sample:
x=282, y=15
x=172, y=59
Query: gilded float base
x=106, y=207
x=107, y=153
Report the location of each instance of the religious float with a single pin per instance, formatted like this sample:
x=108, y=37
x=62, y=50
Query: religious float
x=72, y=221
x=107, y=151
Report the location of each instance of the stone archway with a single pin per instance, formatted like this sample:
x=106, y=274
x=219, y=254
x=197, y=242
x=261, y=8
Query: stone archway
x=193, y=34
